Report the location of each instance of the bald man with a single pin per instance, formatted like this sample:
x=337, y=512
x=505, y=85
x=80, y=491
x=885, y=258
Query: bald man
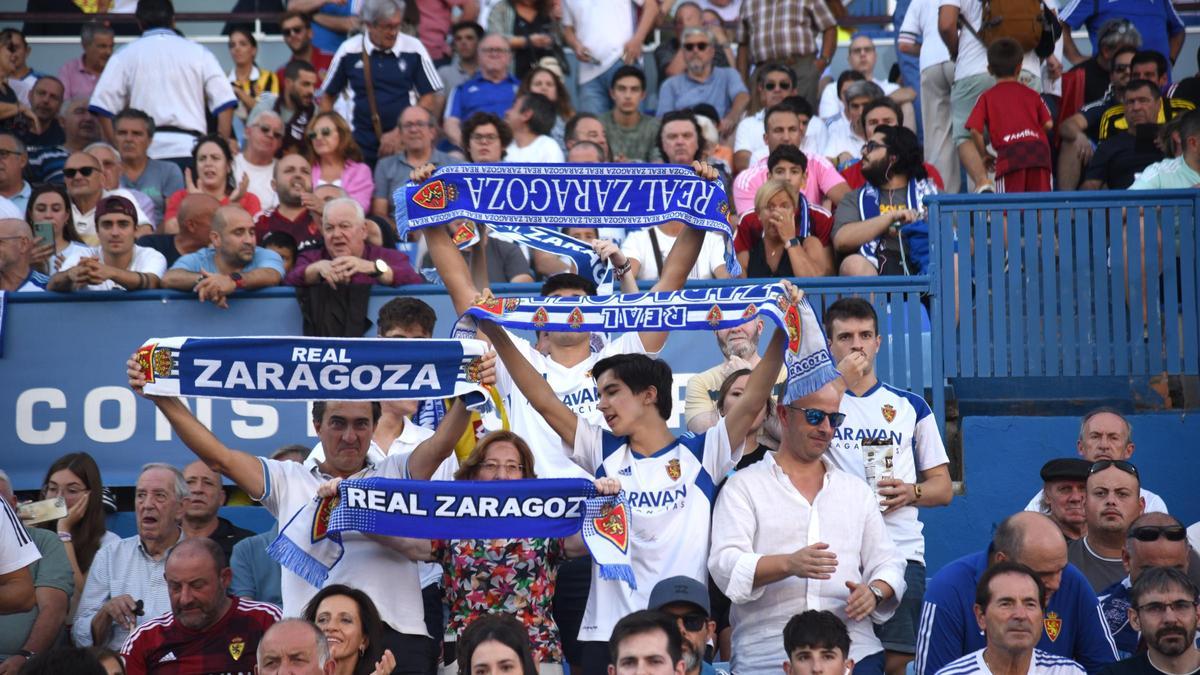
x=294, y=647
x=1072, y=627
x=16, y=242
x=194, y=223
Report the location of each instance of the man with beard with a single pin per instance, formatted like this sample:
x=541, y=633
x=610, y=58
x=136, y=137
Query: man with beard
x=881, y=227
x=1113, y=502
x=232, y=263
x=207, y=630
x=704, y=83
x=1163, y=609
x=739, y=346
x=1009, y=604
x=46, y=154
x=686, y=601
x=295, y=106
x=1064, y=484
x=296, y=28
x=298, y=210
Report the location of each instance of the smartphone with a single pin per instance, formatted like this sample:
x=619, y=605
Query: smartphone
x=43, y=511
x=45, y=231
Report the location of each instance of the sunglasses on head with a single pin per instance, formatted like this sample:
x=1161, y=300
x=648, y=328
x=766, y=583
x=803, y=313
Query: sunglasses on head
x=1153, y=532
x=1119, y=463
x=695, y=46
x=323, y=132
x=815, y=416
x=84, y=171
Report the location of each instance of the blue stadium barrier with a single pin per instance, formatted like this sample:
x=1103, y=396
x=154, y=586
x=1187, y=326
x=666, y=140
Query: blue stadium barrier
x=1082, y=284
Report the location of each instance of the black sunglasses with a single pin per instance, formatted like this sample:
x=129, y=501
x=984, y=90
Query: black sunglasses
x=772, y=86
x=1153, y=532
x=693, y=622
x=695, y=46
x=323, y=131
x=293, y=31
x=814, y=416
x=85, y=171
x=1119, y=463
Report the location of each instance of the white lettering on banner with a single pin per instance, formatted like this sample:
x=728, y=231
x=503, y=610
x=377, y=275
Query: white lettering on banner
x=93, y=424
x=319, y=355
x=270, y=376
x=268, y=416
x=52, y=432
x=643, y=318
x=585, y=195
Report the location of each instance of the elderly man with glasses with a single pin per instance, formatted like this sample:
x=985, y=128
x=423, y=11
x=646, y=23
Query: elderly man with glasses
x=264, y=138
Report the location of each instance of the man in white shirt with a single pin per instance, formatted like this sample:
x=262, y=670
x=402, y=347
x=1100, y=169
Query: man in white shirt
x=264, y=137
x=117, y=263
x=890, y=439
x=862, y=57
x=776, y=82
x=919, y=36
x=793, y=533
x=531, y=119
x=1104, y=433
x=174, y=80
x=17, y=553
x=605, y=34
x=1009, y=604
x=285, y=487
x=647, y=249
x=846, y=131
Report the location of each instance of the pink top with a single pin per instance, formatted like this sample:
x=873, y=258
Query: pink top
x=821, y=177
x=77, y=81
x=356, y=180
x=434, y=24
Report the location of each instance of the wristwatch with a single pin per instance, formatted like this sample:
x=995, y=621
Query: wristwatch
x=877, y=593
x=794, y=241
x=917, y=490
x=381, y=268
x=26, y=653
x=238, y=281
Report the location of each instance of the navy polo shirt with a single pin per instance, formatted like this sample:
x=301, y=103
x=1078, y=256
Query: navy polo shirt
x=480, y=94
x=396, y=73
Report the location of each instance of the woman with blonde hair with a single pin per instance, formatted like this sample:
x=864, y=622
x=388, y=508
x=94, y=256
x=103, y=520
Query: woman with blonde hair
x=337, y=160
x=780, y=238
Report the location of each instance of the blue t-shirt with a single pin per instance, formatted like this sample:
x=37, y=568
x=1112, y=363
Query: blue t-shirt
x=204, y=260
x=1073, y=626
x=1156, y=20
x=719, y=90
x=480, y=94
x=323, y=38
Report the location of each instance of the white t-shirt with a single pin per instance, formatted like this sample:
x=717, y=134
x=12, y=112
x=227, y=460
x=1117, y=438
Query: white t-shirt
x=574, y=387
x=17, y=549
x=260, y=181
x=842, y=139
x=603, y=26
x=85, y=223
x=387, y=576
x=905, y=418
x=972, y=55
x=1042, y=663
x=637, y=245
x=144, y=260
x=670, y=496
x=920, y=26
x=543, y=150
x=830, y=105
x=750, y=131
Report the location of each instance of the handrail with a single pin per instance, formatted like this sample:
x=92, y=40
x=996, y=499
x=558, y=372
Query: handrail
x=68, y=17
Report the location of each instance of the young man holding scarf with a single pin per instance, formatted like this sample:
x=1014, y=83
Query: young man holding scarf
x=670, y=482
x=345, y=429
x=881, y=227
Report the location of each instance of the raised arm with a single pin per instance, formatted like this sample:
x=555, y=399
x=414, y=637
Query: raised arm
x=758, y=388
x=452, y=268
x=531, y=383
x=240, y=467
x=430, y=453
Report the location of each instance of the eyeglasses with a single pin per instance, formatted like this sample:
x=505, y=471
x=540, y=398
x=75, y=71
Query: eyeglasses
x=5, y=154
x=815, y=416
x=1157, y=609
x=277, y=135
x=1153, y=532
x=1121, y=67
x=293, y=31
x=485, y=138
x=696, y=46
x=495, y=50
x=772, y=86
x=323, y=132
x=497, y=467
x=84, y=171
x=1119, y=463
x=872, y=146
x=693, y=622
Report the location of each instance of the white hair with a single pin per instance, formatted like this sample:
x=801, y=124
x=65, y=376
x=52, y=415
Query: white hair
x=181, y=488
x=374, y=11
x=359, y=214
x=259, y=113
x=322, y=644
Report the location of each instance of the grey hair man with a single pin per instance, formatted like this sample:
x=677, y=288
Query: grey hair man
x=294, y=647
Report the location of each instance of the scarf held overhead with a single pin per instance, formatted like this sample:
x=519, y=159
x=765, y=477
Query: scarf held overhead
x=630, y=196
x=806, y=357
x=298, y=368
x=310, y=545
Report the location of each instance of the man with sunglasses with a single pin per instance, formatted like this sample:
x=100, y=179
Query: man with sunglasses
x=1154, y=540
x=1112, y=503
x=882, y=419
x=703, y=82
x=264, y=137
x=686, y=600
x=296, y=28
x=1162, y=608
x=792, y=532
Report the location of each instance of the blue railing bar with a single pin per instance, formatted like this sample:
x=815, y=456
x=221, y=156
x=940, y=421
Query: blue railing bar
x=1090, y=199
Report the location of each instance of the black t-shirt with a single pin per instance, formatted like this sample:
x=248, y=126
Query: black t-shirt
x=1137, y=665
x=1188, y=89
x=1095, y=80
x=1119, y=159
x=164, y=244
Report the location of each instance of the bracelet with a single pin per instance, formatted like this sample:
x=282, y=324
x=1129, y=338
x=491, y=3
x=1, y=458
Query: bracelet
x=621, y=270
x=65, y=537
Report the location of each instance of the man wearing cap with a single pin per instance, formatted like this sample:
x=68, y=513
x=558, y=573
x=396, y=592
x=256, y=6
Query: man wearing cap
x=686, y=600
x=1113, y=502
x=1155, y=540
x=1063, y=490
x=117, y=263
x=1105, y=433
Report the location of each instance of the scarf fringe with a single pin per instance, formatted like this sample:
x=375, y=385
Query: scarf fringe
x=296, y=560
x=618, y=572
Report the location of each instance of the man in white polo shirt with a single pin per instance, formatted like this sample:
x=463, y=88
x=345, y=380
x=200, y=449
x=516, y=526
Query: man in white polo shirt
x=174, y=80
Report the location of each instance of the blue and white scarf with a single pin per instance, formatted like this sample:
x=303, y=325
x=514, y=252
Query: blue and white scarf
x=300, y=368
x=310, y=545
x=806, y=357
x=630, y=196
x=914, y=234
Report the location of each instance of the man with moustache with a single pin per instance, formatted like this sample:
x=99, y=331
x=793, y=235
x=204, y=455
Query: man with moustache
x=134, y=131
x=686, y=600
x=46, y=154
x=1112, y=503
x=1163, y=609
x=296, y=106
x=231, y=263
x=1064, y=483
x=298, y=210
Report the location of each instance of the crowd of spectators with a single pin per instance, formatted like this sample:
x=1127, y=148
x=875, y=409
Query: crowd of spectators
x=148, y=167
